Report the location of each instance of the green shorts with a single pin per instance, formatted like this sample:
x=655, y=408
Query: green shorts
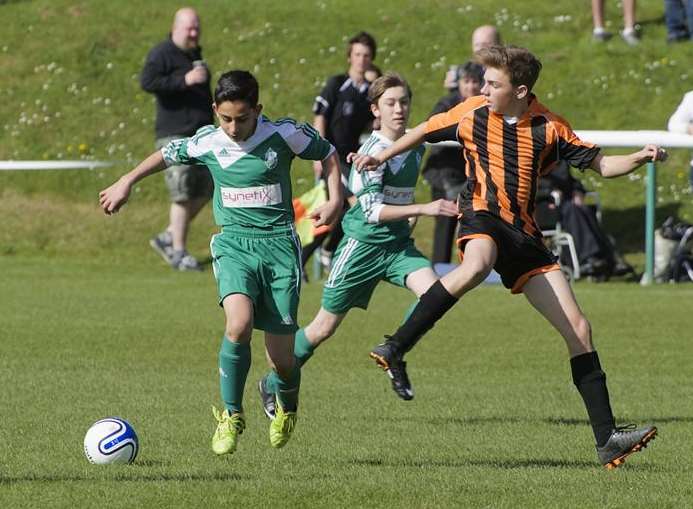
x=184, y=182
x=267, y=268
x=358, y=267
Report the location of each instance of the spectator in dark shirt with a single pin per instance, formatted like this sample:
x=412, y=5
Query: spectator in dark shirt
x=176, y=74
x=342, y=113
x=444, y=169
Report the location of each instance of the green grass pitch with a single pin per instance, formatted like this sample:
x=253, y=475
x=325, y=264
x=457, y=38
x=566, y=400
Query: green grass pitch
x=495, y=422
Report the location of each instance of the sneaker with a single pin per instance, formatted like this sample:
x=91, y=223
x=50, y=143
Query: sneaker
x=268, y=399
x=623, y=442
x=388, y=358
x=163, y=245
x=229, y=426
x=281, y=426
x=630, y=36
x=183, y=261
x=601, y=35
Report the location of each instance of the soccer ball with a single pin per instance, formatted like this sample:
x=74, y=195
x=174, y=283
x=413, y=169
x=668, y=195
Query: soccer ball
x=111, y=440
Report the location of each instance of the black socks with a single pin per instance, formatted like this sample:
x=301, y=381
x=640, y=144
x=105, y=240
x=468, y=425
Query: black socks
x=431, y=307
x=590, y=381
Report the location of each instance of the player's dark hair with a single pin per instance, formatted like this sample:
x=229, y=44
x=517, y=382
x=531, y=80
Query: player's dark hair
x=237, y=86
x=520, y=65
x=362, y=38
x=387, y=80
x=472, y=70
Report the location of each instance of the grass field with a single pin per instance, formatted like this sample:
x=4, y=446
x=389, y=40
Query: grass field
x=93, y=324
x=496, y=421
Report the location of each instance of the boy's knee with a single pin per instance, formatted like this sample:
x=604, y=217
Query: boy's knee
x=583, y=331
x=237, y=332
x=477, y=271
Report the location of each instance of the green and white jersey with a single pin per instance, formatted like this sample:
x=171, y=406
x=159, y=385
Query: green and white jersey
x=392, y=183
x=252, y=185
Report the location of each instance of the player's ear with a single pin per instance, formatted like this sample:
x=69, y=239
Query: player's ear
x=214, y=108
x=375, y=111
x=521, y=92
x=258, y=109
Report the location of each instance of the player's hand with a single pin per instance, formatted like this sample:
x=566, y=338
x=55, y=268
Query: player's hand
x=196, y=76
x=327, y=213
x=363, y=161
x=652, y=153
x=440, y=207
x=114, y=197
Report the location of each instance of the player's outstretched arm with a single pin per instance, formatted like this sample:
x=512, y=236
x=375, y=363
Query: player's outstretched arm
x=615, y=166
x=435, y=208
x=117, y=194
x=328, y=212
x=411, y=139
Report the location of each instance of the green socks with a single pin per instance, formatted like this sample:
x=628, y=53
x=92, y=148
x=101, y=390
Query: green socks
x=234, y=364
x=303, y=349
x=287, y=390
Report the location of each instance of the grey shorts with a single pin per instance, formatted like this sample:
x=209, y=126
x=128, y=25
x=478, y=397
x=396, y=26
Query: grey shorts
x=184, y=182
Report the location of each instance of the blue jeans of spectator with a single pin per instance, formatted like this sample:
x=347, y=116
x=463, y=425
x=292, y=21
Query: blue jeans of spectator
x=679, y=19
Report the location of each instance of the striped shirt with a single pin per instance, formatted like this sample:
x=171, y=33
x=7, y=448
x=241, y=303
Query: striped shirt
x=505, y=157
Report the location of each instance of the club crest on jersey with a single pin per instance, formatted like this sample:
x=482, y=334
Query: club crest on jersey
x=271, y=158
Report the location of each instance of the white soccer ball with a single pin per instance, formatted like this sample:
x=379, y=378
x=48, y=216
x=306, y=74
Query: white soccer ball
x=111, y=440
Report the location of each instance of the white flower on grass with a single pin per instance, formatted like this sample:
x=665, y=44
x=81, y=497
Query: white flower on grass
x=107, y=101
x=57, y=114
x=332, y=49
x=121, y=125
x=272, y=60
x=417, y=65
x=4, y=49
x=301, y=60
x=109, y=66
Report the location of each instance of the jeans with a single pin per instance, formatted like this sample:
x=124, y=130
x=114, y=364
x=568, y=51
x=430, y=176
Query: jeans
x=679, y=19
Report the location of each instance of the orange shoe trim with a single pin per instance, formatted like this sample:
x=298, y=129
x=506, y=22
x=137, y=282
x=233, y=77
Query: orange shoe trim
x=613, y=464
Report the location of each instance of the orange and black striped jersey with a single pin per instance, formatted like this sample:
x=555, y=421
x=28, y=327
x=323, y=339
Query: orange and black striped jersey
x=505, y=157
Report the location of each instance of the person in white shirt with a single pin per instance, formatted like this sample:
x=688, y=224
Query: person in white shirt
x=682, y=122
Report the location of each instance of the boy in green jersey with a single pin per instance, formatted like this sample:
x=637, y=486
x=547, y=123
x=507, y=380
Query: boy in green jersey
x=256, y=256
x=377, y=244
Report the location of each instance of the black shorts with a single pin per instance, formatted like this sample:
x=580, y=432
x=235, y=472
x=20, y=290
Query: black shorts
x=520, y=256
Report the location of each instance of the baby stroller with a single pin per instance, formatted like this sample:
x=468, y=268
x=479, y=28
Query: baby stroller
x=681, y=263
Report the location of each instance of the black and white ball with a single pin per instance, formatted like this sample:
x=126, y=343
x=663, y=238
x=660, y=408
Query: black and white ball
x=111, y=440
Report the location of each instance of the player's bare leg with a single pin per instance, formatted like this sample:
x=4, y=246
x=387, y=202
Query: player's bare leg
x=552, y=296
